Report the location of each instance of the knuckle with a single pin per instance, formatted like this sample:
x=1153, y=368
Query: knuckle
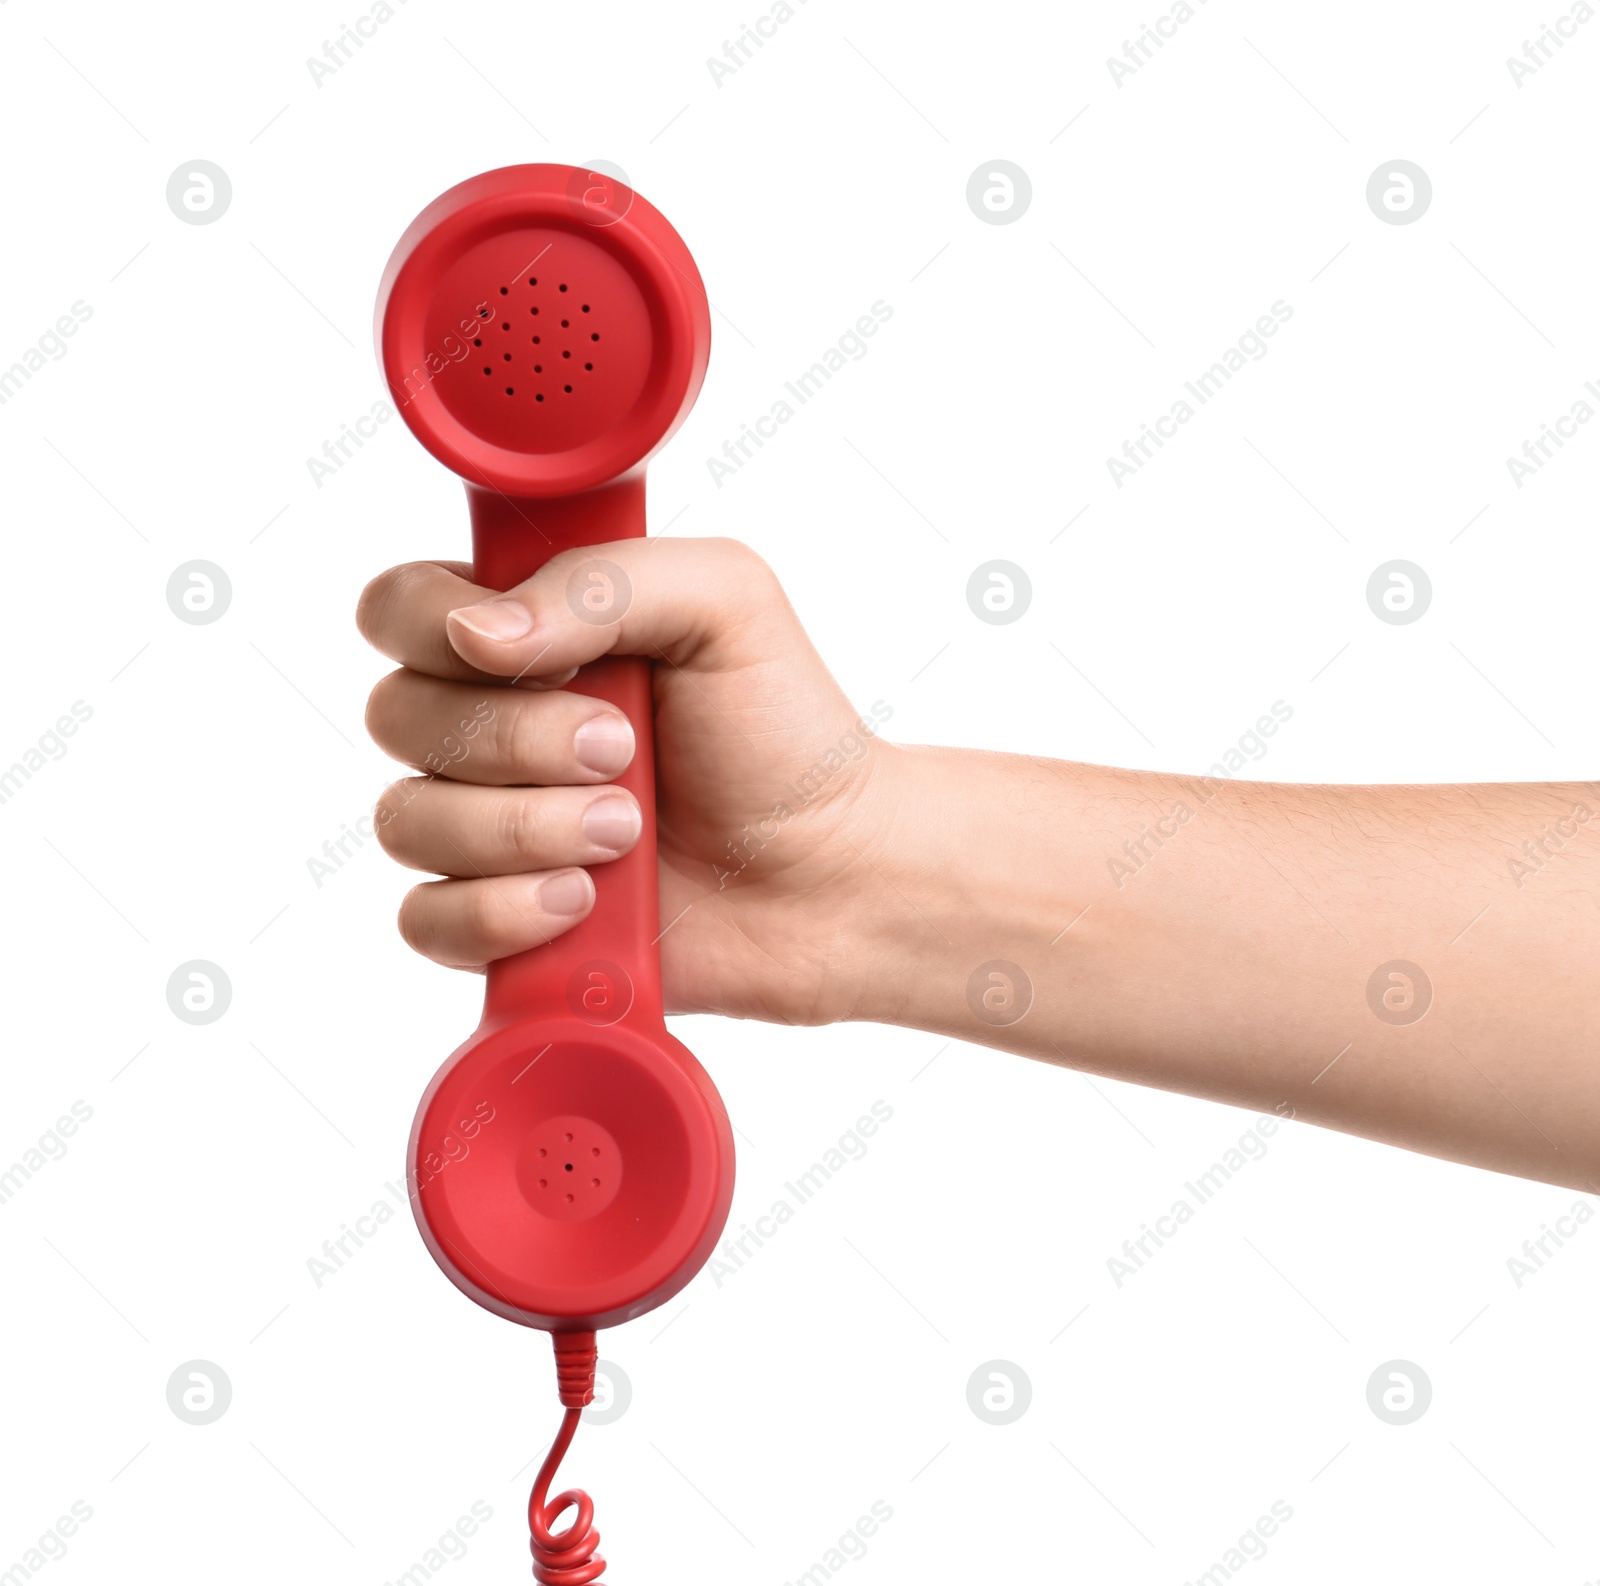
x=518, y=738
x=375, y=609
x=393, y=611
x=562, y=563
x=417, y=920
x=371, y=604
x=483, y=917
x=522, y=832
x=381, y=707
x=391, y=805
x=748, y=564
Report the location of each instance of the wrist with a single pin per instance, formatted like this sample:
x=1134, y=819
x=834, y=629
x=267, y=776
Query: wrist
x=968, y=914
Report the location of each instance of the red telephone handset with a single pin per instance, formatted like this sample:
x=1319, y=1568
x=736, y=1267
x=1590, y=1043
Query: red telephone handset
x=543, y=330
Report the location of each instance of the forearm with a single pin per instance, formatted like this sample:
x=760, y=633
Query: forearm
x=1225, y=939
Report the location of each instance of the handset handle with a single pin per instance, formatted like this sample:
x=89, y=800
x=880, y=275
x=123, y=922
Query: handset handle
x=607, y=968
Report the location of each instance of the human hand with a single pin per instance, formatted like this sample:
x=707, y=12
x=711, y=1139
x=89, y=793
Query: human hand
x=773, y=794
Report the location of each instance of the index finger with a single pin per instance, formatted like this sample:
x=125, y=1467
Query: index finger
x=402, y=613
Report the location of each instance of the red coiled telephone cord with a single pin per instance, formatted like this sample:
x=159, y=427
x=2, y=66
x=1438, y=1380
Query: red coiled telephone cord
x=569, y=1557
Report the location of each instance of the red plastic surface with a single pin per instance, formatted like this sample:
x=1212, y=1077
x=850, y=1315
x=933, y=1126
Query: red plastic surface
x=571, y=1165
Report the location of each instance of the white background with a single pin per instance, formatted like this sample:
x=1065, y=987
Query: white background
x=826, y=173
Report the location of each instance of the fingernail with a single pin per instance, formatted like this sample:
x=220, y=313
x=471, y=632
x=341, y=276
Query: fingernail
x=568, y=893
x=611, y=823
x=539, y=684
x=604, y=744
x=500, y=620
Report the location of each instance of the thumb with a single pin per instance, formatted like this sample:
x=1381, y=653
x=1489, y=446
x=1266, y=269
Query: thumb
x=690, y=602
